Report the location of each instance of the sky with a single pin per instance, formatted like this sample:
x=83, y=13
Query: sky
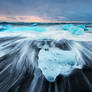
x=59, y=10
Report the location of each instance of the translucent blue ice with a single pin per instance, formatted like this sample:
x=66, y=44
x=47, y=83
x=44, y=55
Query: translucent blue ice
x=75, y=30
x=36, y=29
x=34, y=24
x=67, y=26
x=83, y=27
x=5, y=27
x=53, y=62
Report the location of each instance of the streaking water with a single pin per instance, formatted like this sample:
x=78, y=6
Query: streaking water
x=20, y=60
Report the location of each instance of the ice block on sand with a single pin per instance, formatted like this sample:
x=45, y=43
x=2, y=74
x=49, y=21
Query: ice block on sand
x=53, y=62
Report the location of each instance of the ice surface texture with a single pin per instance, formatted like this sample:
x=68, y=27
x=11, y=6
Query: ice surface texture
x=34, y=27
x=53, y=62
x=19, y=29
x=5, y=27
x=75, y=30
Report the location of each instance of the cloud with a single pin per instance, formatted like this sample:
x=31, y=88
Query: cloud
x=48, y=9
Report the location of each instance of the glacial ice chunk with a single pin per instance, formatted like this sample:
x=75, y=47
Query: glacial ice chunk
x=34, y=24
x=67, y=26
x=5, y=27
x=75, y=30
x=21, y=29
x=83, y=27
x=53, y=62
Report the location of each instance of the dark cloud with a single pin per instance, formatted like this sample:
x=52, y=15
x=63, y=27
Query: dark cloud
x=49, y=9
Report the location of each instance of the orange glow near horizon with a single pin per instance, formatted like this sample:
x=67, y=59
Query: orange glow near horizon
x=24, y=19
x=34, y=19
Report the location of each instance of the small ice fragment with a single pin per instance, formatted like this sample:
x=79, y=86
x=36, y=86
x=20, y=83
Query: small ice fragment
x=67, y=26
x=34, y=24
x=5, y=27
